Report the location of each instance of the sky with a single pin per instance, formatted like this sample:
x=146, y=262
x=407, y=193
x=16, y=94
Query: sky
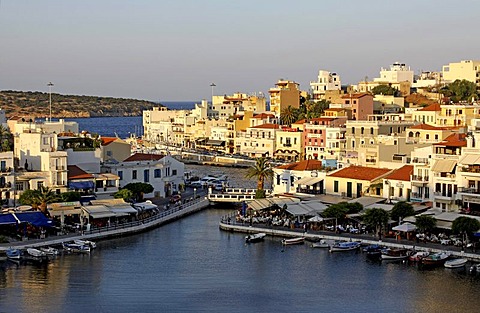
x=173, y=50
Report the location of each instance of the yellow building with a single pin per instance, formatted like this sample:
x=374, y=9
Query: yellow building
x=403, y=87
x=465, y=69
x=289, y=144
x=427, y=115
x=285, y=93
x=457, y=115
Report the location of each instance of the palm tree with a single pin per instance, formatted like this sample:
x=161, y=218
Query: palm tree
x=44, y=197
x=465, y=226
x=376, y=218
x=425, y=223
x=262, y=170
x=288, y=116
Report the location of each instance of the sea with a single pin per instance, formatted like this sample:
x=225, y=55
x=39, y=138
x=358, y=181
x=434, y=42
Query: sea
x=190, y=265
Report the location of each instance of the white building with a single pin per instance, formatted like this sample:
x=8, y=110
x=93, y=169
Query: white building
x=397, y=73
x=325, y=81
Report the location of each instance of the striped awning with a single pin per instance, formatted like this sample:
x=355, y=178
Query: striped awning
x=444, y=166
x=470, y=159
x=308, y=181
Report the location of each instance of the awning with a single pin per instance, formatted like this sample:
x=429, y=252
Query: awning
x=98, y=211
x=34, y=218
x=470, y=159
x=444, y=166
x=366, y=201
x=406, y=227
x=65, y=211
x=145, y=206
x=260, y=204
x=212, y=142
x=6, y=219
x=308, y=181
x=123, y=210
x=81, y=185
x=310, y=208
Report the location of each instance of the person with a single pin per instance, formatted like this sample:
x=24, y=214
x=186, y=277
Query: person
x=228, y=220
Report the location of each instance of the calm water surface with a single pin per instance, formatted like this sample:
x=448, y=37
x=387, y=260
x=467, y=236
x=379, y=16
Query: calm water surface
x=192, y=266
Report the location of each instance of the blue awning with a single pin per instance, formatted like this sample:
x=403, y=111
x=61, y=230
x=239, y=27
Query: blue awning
x=81, y=185
x=6, y=219
x=34, y=218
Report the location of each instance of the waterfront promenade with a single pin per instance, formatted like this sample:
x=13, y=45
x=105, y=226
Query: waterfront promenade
x=125, y=229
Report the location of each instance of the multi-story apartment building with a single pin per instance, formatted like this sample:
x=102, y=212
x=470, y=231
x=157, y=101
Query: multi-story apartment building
x=323, y=138
x=7, y=178
x=326, y=81
x=361, y=105
x=420, y=178
x=114, y=149
x=465, y=69
x=398, y=72
x=289, y=144
x=257, y=141
x=458, y=114
x=427, y=134
x=225, y=107
x=284, y=94
x=427, y=115
x=366, y=86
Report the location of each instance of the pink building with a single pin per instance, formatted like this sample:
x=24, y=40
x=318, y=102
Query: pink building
x=361, y=105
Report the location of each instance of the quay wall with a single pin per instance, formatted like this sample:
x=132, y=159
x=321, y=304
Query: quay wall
x=114, y=231
x=293, y=234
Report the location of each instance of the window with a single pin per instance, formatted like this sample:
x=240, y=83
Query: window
x=134, y=174
x=157, y=173
x=335, y=186
x=19, y=186
x=120, y=174
x=109, y=153
x=174, y=172
x=39, y=184
x=146, y=176
x=371, y=131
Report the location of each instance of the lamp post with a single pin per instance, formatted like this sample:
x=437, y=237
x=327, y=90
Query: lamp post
x=194, y=193
x=50, y=85
x=212, y=85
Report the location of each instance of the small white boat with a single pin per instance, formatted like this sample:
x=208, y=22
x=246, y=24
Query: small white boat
x=36, y=253
x=321, y=244
x=293, y=241
x=14, y=254
x=395, y=254
x=49, y=250
x=418, y=256
x=255, y=237
x=455, y=263
x=74, y=247
x=345, y=246
x=89, y=243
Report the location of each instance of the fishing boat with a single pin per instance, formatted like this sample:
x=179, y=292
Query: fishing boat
x=321, y=244
x=89, y=243
x=36, y=253
x=418, y=256
x=373, y=251
x=49, y=250
x=436, y=258
x=255, y=237
x=14, y=254
x=345, y=246
x=293, y=241
x=395, y=254
x=77, y=248
x=456, y=263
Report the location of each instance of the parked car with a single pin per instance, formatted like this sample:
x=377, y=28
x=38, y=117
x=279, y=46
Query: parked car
x=175, y=198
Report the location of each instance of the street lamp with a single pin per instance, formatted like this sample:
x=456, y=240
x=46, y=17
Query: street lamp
x=50, y=85
x=194, y=193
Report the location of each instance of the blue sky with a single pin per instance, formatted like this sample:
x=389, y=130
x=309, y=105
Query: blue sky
x=174, y=49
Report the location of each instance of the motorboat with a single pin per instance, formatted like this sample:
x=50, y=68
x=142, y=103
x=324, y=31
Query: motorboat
x=89, y=243
x=456, y=263
x=373, y=250
x=255, y=237
x=395, y=254
x=293, y=241
x=14, y=254
x=436, y=258
x=321, y=244
x=75, y=247
x=36, y=253
x=418, y=256
x=49, y=250
x=345, y=246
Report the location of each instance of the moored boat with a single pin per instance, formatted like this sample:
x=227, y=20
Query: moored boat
x=14, y=254
x=321, y=244
x=74, y=247
x=36, y=253
x=345, y=246
x=255, y=237
x=456, y=263
x=475, y=268
x=373, y=251
x=293, y=241
x=418, y=256
x=395, y=254
x=89, y=243
x=49, y=250
x=436, y=258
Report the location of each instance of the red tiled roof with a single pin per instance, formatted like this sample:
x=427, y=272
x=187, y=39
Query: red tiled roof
x=454, y=140
x=263, y=115
x=108, y=140
x=144, y=157
x=432, y=107
x=402, y=173
x=306, y=165
x=74, y=172
x=428, y=127
x=270, y=126
x=360, y=173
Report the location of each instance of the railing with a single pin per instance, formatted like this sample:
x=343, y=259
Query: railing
x=443, y=194
x=5, y=170
x=469, y=190
x=419, y=178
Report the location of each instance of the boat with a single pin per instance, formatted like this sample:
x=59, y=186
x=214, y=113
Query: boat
x=475, y=268
x=74, y=247
x=418, y=256
x=345, y=246
x=14, y=254
x=293, y=241
x=49, y=251
x=255, y=237
x=36, y=253
x=373, y=250
x=395, y=254
x=89, y=243
x=436, y=258
x=456, y=263
x=321, y=244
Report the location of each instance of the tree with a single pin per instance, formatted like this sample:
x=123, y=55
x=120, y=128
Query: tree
x=376, y=218
x=6, y=139
x=262, y=170
x=401, y=210
x=124, y=194
x=288, y=116
x=45, y=196
x=385, y=90
x=460, y=90
x=139, y=189
x=425, y=223
x=465, y=226
x=70, y=196
x=29, y=197
x=337, y=211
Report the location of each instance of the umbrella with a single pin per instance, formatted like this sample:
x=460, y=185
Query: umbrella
x=406, y=227
x=315, y=219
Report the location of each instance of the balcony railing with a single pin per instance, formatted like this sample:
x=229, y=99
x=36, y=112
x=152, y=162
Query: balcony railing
x=475, y=191
x=419, y=178
x=5, y=170
x=443, y=194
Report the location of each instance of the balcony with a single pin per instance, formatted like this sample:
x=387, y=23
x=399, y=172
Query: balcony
x=417, y=197
x=420, y=160
x=442, y=195
x=6, y=185
x=469, y=190
x=419, y=179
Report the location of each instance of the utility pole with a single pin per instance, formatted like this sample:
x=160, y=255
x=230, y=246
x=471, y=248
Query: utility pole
x=50, y=85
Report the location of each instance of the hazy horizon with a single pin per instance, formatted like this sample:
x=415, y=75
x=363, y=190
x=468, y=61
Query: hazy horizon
x=174, y=50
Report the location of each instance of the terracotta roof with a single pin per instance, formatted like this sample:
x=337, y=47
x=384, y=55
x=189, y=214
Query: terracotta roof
x=143, y=157
x=74, y=172
x=263, y=115
x=428, y=127
x=360, y=173
x=402, y=173
x=108, y=140
x=356, y=95
x=454, y=140
x=271, y=126
x=306, y=165
x=432, y=107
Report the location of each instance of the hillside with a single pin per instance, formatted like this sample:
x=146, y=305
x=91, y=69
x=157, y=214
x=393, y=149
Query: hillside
x=22, y=103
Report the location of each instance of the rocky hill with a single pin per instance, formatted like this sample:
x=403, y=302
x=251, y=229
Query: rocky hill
x=22, y=103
